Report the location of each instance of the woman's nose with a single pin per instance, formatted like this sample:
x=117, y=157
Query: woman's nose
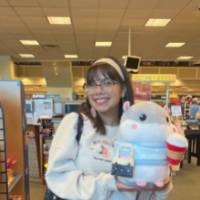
x=98, y=88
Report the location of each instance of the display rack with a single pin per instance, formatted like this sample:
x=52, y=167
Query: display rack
x=40, y=138
x=186, y=110
x=14, y=150
x=45, y=143
x=3, y=168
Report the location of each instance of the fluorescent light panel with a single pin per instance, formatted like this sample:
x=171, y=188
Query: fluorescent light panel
x=103, y=44
x=22, y=55
x=59, y=20
x=157, y=22
x=123, y=57
x=175, y=44
x=184, y=57
x=29, y=42
x=71, y=56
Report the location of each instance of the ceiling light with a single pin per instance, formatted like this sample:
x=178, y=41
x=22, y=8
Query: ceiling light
x=103, y=44
x=71, y=56
x=59, y=20
x=29, y=42
x=184, y=57
x=157, y=22
x=175, y=44
x=26, y=55
x=124, y=57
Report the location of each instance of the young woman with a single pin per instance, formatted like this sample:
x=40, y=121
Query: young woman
x=81, y=170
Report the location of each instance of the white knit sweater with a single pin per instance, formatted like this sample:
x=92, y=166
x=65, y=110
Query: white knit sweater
x=82, y=171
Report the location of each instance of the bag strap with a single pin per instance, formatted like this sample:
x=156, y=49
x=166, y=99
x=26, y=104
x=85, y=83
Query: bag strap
x=79, y=127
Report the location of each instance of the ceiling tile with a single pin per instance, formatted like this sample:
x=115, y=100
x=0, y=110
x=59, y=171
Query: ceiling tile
x=172, y=5
x=35, y=21
x=136, y=5
x=53, y=3
x=102, y=20
x=29, y=11
x=9, y=20
x=23, y=2
x=3, y=3
x=57, y=12
x=88, y=4
x=7, y=11
x=84, y=13
x=112, y=4
x=80, y=24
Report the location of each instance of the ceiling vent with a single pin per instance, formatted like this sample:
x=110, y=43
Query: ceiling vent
x=166, y=63
x=28, y=63
x=82, y=62
x=50, y=46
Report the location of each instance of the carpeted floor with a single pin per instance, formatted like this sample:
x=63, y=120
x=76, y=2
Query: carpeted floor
x=186, y=185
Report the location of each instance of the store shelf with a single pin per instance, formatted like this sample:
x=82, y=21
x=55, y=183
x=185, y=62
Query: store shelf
x=13, y=182
x=3, y=164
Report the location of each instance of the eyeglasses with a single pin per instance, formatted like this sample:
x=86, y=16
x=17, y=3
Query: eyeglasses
x=105, y=85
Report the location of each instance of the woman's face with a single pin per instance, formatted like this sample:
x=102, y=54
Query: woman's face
x=104, y=95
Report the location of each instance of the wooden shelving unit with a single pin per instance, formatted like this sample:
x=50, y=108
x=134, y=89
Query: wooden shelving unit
x=12, y=101
x=13, y=182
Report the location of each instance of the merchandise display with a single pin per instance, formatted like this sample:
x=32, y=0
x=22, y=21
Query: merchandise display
x=46, y=142
x=175, y=106
x=10, y=170
x=15, y=197
x=186, y=106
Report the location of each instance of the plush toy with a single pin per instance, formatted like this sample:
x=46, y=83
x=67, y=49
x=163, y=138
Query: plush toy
x=174, y=99
x=148, y=145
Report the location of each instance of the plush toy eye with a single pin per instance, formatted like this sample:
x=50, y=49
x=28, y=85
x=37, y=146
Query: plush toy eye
x=142, y=117
x=167, y=119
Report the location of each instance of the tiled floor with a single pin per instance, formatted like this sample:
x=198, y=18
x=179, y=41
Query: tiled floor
x=186, y=185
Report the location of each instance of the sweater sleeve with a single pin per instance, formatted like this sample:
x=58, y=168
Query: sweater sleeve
x=63, y=177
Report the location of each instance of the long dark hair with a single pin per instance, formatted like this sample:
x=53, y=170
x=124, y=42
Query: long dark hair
x=108, y=71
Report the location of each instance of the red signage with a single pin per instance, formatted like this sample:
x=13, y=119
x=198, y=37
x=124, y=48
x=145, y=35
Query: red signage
x=142, y=91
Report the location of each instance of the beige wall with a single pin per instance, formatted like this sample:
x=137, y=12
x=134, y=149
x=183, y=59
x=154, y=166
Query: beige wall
x=188, y=78
x=6, y=68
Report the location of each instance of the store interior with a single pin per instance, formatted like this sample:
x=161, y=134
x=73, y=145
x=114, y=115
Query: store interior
x=43, y=63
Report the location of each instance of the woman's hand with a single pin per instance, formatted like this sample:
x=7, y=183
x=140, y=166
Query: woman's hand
x=129, y=188
x=148, y=187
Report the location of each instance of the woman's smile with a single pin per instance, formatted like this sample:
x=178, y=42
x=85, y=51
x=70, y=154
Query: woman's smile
x=101, y=100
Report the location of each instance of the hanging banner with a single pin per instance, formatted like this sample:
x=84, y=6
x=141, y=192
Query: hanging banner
x=165, y=78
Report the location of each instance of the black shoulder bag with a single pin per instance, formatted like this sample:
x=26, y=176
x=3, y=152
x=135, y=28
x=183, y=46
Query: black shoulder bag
x=79, y=127
x=49, y=195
